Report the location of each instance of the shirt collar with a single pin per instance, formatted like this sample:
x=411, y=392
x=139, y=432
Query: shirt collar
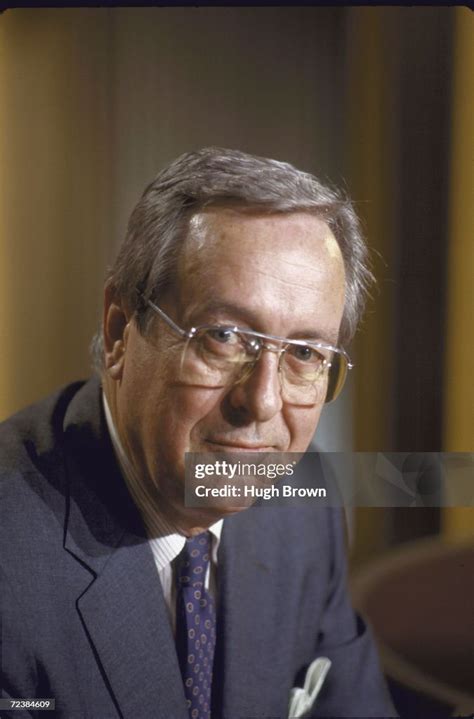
x=166, y=542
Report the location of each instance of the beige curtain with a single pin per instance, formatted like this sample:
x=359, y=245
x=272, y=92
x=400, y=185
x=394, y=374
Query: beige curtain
x=459, y=386
x=54, y=195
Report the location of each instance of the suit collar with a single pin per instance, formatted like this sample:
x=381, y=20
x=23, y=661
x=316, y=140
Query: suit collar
x=121, y=603
x=100, y=510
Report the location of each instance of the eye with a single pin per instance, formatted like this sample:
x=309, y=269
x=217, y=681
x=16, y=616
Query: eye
x=304, y=353
x=307, y=354
x=220, y=342
x=222, y=335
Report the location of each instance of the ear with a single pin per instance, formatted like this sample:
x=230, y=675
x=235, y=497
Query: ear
x=116, y=329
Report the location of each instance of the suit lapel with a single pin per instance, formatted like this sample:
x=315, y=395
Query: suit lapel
x=121, y=604
x=125, y=616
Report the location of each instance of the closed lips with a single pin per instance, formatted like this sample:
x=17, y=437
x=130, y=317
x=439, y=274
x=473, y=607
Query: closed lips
x=240, y=445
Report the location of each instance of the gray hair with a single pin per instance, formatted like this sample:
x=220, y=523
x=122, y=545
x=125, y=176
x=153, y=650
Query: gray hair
x=147, y=260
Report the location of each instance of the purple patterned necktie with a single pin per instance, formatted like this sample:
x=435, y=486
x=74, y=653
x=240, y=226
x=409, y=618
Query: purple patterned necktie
x=195, y=625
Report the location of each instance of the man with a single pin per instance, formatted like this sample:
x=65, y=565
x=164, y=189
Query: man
x=238, y=283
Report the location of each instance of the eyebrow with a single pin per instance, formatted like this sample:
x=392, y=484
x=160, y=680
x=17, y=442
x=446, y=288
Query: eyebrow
x=251, y=318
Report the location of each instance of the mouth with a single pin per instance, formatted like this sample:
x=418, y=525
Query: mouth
x=239, y=446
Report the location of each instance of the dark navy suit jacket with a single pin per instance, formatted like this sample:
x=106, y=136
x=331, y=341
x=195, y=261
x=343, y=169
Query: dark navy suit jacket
x=83, y=614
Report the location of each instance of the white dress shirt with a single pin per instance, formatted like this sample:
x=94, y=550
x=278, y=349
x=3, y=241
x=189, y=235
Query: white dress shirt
x=166, y=542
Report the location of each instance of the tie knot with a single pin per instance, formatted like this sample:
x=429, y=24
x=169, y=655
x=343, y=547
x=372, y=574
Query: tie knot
x=194, y=560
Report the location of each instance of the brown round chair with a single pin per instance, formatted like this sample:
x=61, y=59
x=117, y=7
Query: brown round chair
x=419, y=600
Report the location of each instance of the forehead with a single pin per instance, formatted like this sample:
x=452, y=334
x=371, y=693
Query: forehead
x=275, y=267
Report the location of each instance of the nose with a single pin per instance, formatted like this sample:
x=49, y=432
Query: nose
x=258, y=396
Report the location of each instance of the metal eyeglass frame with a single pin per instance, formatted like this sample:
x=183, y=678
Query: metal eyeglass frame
x=189, y=334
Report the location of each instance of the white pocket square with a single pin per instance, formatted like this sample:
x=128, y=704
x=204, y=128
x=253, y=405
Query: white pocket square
x=302, y=699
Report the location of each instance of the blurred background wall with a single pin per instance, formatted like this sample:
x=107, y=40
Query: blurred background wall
x=93, y=102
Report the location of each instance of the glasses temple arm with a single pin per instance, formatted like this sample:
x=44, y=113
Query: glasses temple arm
x=168, y=320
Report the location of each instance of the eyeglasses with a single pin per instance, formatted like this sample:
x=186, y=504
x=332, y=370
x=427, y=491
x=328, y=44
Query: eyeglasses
x=225, y=355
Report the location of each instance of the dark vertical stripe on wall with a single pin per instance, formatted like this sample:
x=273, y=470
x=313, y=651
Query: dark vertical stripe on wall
x=425, y=105
x=425, y=99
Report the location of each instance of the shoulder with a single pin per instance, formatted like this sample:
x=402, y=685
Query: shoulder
x=32, y=476
x=33, y=432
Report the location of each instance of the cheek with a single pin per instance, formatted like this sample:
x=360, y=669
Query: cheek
x=184, y=410
x=302, y=425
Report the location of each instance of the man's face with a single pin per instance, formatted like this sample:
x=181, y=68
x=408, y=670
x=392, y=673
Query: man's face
x=281, y=275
